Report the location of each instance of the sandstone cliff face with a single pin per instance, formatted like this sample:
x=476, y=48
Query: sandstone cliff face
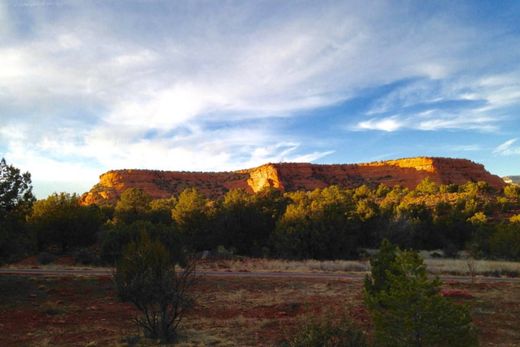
x=291, y=176
x=265, y=176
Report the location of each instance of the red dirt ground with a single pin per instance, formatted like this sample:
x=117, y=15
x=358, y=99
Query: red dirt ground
x=71, y=311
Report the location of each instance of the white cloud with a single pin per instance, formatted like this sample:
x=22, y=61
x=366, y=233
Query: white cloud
x=417, y=92
x=457, y=121
x=310, y=157
x=66, y=157
x=429, y=121
x=386, y=124
x=466, y=103
x=507, y=148
x=293, y=63
x=282, y=152
x=48, y=169
x=166, y=108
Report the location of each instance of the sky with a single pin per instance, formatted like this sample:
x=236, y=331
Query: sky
x=87, y=86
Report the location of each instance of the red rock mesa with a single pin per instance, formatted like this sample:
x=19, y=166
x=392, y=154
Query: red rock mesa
x=290, y=177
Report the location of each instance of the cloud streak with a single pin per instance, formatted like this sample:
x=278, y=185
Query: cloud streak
x=430, y=121
x=507, y=148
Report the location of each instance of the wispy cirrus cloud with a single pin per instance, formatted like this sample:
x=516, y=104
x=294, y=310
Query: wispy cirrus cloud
x=430, y=121
x=479, y=103
x=507, y=148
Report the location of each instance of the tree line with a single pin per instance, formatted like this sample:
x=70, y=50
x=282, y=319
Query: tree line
x=328, y=223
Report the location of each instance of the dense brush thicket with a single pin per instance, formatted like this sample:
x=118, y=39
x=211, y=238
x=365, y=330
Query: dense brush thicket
x=327, y=223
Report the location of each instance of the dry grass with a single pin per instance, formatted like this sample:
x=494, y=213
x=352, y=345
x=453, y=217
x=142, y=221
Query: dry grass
x=472, y=266
x=280, y=265
x=436, y=266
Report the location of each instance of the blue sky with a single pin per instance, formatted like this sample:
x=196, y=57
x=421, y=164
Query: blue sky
x=89, y=86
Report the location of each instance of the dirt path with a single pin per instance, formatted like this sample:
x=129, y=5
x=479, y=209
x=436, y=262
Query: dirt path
x=65, y=272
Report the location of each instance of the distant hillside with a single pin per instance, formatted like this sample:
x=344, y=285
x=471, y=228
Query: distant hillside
x=512, y=179
x=290, y=177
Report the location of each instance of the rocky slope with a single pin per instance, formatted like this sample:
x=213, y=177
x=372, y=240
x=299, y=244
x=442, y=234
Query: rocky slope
x=291, y=176
x=512, y=179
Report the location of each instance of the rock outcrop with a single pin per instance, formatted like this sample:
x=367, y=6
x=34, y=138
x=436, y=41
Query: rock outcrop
x=512, y=179
x=290, y=177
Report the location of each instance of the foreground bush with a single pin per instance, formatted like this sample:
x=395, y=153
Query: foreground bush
x=326, y=332
x=146, y=276
x=408, y=309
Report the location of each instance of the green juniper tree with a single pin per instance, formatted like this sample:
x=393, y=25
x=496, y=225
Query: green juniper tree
x=193, y=215
x=16, y=199
x=133, y=205
x=407, y=307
